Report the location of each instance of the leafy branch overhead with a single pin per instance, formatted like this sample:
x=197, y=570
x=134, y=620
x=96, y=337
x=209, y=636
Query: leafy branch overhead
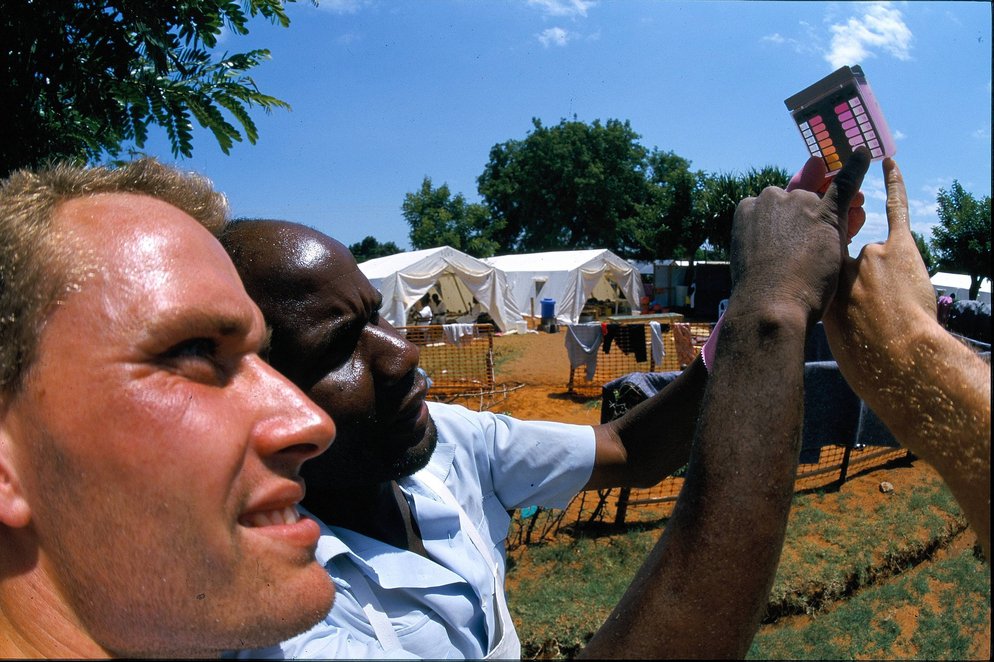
x=85, y=78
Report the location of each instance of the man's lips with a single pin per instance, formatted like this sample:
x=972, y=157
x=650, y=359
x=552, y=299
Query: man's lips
x=413, y=406
x=275, y=510
x=282, y=524
x=276, y=517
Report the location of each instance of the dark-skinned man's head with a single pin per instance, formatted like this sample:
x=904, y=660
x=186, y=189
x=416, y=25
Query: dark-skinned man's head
x=329, y=340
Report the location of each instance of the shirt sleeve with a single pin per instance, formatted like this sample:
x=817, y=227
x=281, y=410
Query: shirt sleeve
x=539, y=462
x=520, y=463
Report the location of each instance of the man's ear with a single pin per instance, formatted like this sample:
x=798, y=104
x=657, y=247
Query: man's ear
x=14, y=509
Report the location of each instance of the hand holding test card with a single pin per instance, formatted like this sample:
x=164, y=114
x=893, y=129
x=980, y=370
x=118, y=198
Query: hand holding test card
x=838, y=114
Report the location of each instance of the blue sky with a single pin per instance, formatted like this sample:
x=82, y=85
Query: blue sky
x=386, y=92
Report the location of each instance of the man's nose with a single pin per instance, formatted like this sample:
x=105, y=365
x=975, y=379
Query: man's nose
x=289, y=422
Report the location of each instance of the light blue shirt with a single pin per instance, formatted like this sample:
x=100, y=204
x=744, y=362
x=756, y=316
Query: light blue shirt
x=444, y=607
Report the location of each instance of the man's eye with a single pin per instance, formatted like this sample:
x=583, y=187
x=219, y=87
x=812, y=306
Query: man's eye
x=197, y=358
x=194, y=347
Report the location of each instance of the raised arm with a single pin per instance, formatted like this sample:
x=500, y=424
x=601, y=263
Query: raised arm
x=703, y=589
x=932, y=392
x=631, y=451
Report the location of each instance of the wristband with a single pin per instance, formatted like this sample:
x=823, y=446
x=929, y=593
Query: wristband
x=711, y=345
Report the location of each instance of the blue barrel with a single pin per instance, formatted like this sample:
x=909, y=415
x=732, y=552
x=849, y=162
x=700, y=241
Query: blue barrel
x=548, y=309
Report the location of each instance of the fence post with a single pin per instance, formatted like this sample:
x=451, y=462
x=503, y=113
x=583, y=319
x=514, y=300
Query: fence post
x=621, y=509
x=844, y=469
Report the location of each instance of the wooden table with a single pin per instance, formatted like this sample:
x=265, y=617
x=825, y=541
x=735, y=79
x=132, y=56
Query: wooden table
x=663, y=318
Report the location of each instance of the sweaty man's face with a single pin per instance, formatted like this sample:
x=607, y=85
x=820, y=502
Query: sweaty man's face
x=159, y=453
x=328, y=338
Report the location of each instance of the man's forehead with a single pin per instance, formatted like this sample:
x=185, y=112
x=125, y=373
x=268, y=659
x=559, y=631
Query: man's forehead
x=317, y=261
x=146, y=245
x=313, y=250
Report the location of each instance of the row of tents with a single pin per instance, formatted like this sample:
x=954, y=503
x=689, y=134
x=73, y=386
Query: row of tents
x=508, y=288
x=511, y=288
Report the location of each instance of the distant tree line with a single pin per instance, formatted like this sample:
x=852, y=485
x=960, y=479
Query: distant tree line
x=577, y=185
x=961, y=242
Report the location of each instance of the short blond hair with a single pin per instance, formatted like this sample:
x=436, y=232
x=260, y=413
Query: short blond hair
x=38, y=265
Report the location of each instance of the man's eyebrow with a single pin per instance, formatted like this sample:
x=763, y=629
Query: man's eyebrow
x=187, y=322
x=353, y=320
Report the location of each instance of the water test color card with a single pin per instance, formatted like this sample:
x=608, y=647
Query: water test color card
x=838, y=114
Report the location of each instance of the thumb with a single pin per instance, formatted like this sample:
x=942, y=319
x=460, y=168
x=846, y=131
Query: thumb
x=846, y=184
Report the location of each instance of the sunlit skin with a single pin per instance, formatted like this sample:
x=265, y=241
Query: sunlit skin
x=932, y=391
x=149, y=465
x=329, y=339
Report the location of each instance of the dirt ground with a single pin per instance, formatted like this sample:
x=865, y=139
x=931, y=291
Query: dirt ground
x=536, y=368
x=538, y=362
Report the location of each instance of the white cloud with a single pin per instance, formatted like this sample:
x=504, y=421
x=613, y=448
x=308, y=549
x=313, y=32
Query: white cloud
x=807, y=44
x=873, y=230
x=554, y=37
x=924, y=214
x=342, y=6
x=898, y=135
x=873, y=188
x=983, y=133
x=571, y=8
x=878, y=27
x=931, y=188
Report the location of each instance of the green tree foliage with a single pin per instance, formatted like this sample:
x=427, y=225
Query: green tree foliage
x=370, y=248
x=83, y=78
x=721, y=194
x=578, y=185
x=667, y=223
x=573, y=185
x=716, y=203
x=437, y=218
x=962, y=240
x=926, y=252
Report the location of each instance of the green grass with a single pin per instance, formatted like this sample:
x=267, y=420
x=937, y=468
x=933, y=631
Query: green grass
x=866, y=625
x=850, y=573
x=826, y=556
x=576, y=586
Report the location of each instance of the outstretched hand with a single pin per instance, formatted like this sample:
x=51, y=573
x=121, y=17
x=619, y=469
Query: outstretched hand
x=788, y=246
x=881, y=293
x=931, y=391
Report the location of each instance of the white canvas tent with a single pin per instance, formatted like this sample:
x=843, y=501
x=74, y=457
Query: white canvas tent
x=569, y=278
x=404, y=278
x=959, y=284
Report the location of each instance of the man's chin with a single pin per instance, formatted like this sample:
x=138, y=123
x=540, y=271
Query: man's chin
x=416, y=457
x=360, y=457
